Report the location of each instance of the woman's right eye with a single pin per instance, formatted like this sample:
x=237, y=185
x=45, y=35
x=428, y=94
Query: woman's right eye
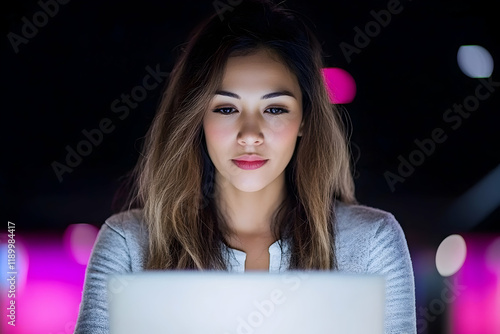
x=224, y=111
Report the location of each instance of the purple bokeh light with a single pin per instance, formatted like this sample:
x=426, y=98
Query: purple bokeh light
x=340, y=84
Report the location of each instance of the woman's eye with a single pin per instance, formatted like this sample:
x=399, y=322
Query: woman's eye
x=230, y=110
x=224, y=111
x=277, y=111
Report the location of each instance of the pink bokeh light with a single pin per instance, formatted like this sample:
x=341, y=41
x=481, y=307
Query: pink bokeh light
x=477, y=306
x=340, y=85
x=78, y=241
x=49, y=300
x=48, y=307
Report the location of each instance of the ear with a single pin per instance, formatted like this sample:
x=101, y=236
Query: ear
x=300, y=129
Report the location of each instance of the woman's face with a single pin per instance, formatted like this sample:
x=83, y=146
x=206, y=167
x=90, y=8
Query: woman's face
x=257, y=112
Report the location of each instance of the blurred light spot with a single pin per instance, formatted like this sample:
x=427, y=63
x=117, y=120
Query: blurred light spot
x=493, y=256
x=48, y=307
x=475, y=204
x=474, y=292
x=21, y=262
x=475, y=61
x=79, y=240
x=49, y=301
x=450, y=255
x=340, y=85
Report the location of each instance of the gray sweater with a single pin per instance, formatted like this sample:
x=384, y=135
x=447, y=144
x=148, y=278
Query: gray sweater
x=368, y=240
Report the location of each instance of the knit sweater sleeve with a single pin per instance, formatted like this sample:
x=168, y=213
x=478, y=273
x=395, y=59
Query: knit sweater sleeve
x=110, y=255
x=389, y=256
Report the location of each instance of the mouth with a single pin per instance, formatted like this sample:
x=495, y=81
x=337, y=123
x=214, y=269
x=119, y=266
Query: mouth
x=249, y=165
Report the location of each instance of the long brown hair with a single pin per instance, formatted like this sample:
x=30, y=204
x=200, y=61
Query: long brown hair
x=173, y=181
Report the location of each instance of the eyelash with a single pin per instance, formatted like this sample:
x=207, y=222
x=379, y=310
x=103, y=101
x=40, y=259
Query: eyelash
x=282, y=110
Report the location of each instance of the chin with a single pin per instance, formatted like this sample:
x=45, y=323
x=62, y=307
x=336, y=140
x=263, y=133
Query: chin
x=249, y=187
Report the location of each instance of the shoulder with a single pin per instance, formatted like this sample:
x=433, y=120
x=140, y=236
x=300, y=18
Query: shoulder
x=119, y=248
x=125, y=232
x=352, y=216
x=370, y=240
x=361, y=231
x=127, y=223
x=353, y=219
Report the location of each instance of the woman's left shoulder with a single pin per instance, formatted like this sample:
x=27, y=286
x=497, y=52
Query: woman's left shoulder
x=370, y=240
x=356, y=218
x=361, y=231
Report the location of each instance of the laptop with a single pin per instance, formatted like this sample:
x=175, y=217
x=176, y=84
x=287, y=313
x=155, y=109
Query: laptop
x=246, y=303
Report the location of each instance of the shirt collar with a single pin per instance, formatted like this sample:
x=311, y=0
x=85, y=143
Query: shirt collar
x=278, y=258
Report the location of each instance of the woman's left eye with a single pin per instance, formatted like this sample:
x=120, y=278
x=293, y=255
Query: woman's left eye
x=277, y=111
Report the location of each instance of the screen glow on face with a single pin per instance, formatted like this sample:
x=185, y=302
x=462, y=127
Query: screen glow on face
x=257, y=110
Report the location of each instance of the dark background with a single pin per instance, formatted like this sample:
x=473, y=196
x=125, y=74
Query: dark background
x=65, y=78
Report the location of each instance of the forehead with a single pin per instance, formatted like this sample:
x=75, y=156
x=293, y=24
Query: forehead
x=260, y=69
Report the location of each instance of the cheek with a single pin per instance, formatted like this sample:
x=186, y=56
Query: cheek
x=285, y=131
x=216, y=134
x=282, y=143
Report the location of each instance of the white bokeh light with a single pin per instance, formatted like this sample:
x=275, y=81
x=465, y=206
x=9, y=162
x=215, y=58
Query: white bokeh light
x=475, y=61
x=450, y=255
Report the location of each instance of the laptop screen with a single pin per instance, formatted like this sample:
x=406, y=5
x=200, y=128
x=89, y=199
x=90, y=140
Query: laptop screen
x=253, y=302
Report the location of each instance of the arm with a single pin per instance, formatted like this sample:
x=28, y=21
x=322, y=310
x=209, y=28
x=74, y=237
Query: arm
x=389, y=256
x=109, y=255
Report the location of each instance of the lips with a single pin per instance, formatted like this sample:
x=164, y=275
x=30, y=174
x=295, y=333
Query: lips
x=249, y=165
x=249, y=161
x=250, y=157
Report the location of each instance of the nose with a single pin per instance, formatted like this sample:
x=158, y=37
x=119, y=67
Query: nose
x=250, y=131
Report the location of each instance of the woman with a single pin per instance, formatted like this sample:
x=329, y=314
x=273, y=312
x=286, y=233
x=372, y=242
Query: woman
x=246, y=167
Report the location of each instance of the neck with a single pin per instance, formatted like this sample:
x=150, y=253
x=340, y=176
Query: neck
x=249, y=214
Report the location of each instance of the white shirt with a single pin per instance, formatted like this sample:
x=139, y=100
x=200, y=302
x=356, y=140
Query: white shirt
x=277, y=264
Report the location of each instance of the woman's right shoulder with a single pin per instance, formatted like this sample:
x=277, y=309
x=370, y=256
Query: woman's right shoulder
x=125, y=232
x=130, y=222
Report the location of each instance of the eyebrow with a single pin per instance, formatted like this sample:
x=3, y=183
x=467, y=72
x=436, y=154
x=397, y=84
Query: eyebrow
x=263, y=97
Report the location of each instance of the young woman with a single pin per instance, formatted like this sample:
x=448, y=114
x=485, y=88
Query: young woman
x=246, y=167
